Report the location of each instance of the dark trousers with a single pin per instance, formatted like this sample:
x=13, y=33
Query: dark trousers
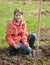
x=31, y=40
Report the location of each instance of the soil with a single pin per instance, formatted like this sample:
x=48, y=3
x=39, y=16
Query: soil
x=45, y=33
x=7, y=58
x=43, y=12
x=42, y=0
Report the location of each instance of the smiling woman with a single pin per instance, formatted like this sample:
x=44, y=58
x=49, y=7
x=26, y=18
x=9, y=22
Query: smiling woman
x=17, y=34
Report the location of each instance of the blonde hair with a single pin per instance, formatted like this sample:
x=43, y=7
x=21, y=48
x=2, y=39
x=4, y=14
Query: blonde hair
x=18, y=10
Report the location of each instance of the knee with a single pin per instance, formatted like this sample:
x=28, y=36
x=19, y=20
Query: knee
x=29, y=50
x=33, y=36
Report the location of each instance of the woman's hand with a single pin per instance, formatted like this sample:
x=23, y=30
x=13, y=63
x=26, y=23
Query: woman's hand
x=26, y=44
x=16, y=46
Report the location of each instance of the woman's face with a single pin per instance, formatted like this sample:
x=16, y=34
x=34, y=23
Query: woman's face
x=18, y=17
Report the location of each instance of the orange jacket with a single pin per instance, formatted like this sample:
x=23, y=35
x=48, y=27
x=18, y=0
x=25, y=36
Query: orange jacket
x=16, y=32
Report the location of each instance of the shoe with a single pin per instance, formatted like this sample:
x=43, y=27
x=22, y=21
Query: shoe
x=31, y=54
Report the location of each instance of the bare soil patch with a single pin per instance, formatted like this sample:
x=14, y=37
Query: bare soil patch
x=7, y=58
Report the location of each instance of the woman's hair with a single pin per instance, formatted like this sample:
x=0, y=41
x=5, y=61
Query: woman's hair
x=18, y=10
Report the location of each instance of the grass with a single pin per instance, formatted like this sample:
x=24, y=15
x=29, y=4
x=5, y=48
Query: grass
x=6, y=14
x=44, y=63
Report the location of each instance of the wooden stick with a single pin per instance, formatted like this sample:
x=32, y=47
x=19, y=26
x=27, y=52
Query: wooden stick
x=38, y=36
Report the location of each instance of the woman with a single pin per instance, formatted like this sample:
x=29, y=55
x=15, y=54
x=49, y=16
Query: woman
x=17, y=35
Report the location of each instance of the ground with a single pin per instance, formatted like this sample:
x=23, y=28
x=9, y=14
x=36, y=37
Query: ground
x=19, y=59
x=45, y=33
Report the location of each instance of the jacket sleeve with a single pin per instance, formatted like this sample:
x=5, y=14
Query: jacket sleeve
x=24, y=33
x=9, y=33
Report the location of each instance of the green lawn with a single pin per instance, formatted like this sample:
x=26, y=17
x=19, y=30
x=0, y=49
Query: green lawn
x=6, y=14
